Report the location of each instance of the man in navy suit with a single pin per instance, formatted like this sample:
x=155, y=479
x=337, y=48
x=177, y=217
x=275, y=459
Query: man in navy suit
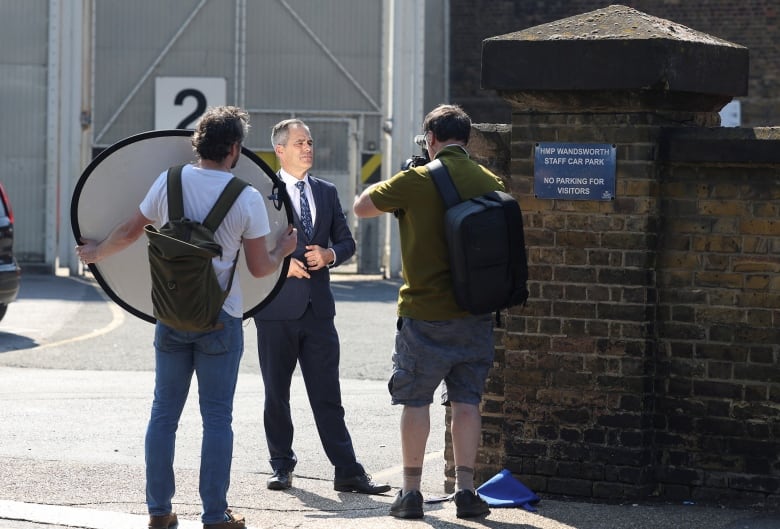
x=297, y=326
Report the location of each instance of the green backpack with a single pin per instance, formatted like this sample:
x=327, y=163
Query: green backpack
x=185, y=292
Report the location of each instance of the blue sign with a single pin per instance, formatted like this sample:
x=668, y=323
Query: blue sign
x=574, y=171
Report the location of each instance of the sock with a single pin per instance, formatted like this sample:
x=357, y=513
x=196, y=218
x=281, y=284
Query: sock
x=464, y=478
x=412, y=478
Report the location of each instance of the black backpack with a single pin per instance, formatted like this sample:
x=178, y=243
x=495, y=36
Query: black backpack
x=185, y=292
x=486, y=246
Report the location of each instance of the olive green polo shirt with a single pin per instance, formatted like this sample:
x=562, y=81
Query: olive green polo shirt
x=427, y=290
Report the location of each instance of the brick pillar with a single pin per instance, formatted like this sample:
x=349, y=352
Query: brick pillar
x=576, y=393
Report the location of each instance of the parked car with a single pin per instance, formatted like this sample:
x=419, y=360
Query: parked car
x=10, y=273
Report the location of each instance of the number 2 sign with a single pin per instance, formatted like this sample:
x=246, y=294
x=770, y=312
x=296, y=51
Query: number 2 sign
x=180, y=101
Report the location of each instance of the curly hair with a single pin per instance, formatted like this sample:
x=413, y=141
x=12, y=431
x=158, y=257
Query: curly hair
x=218, y=130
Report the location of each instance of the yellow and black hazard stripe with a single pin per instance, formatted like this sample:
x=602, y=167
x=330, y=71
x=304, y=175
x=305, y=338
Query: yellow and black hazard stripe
x=371, y=169
x=269, y=157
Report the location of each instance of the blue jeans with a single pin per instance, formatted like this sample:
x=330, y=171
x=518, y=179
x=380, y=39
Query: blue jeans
x=214, y=358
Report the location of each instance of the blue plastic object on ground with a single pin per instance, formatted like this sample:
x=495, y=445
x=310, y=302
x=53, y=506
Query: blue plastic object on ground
x=503, y=490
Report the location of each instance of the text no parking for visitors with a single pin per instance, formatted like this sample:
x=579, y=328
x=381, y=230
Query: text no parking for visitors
x=574, y=171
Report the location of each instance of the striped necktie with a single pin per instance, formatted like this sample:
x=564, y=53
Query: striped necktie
x=305, y=211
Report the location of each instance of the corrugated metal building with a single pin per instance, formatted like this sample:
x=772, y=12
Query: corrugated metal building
x=80, y=75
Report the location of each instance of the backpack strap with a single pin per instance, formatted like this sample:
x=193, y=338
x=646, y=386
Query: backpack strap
x=175, y=199
x=224, y=203
x=221, y=207
x=449, y=193
x=441, y=177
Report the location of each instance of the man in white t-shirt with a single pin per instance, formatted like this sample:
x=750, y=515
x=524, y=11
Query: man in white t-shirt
x=213, y=356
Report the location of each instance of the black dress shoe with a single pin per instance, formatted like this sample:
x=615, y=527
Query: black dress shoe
x=281, y=480
x=361, y=483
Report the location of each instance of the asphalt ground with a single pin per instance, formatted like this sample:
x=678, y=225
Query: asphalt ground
x=75, y=394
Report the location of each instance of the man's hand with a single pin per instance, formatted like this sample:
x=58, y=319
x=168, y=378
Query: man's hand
x=287, y=241
x=87, y=251
x=260, y=261
x=297, y=269
x=317, y=257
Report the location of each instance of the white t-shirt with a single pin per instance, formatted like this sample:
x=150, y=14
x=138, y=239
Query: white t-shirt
x=247, y=219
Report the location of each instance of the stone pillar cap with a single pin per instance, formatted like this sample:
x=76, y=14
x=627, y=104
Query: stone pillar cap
x=615, y=49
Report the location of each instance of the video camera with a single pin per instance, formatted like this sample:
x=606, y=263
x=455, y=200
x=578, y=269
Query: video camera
x=416, y=161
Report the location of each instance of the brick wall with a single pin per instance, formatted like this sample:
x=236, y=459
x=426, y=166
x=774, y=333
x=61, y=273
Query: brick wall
x=578, y=374
x=717, y=402
x=646, y=362
x=751, y=23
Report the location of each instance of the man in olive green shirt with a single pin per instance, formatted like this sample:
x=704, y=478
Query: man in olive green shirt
x=436, y=340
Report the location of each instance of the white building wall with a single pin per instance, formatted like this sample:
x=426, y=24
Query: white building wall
x=23, y=92
x=79, y=75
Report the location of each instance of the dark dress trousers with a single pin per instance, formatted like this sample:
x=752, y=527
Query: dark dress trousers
x=297, y=327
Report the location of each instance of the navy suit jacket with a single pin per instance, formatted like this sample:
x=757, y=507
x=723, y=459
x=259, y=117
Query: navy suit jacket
x=330, y=230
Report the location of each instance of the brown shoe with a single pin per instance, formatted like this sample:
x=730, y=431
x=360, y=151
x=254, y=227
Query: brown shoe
x=165, y=521
x=234, y=521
